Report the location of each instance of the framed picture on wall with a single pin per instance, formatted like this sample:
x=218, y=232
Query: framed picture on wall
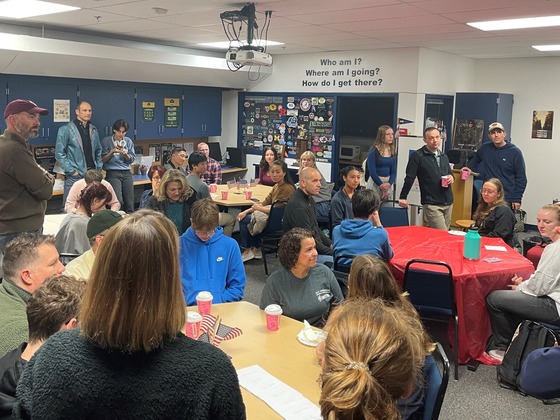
x=468, y=134
x=281, y=150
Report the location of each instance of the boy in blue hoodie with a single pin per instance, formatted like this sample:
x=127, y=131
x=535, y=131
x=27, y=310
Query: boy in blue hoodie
x=363, y=234
x=209, y=260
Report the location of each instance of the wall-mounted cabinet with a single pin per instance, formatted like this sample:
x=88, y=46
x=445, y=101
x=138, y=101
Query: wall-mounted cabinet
x=158, y=113
x=489, y=107
x=43, y=94
x=109, y=102
x=202, y=112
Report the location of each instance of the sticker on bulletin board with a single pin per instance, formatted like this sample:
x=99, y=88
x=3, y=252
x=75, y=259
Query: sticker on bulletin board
x=148, y=113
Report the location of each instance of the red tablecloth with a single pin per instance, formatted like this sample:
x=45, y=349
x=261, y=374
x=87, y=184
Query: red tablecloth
x=474, y=280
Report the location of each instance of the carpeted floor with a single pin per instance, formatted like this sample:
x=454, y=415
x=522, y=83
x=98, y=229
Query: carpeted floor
x=476, y=395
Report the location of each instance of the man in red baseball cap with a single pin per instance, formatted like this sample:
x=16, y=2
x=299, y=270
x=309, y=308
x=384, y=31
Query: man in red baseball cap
x=25, y=186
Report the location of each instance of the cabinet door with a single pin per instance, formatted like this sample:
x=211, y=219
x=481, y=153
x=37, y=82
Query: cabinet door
x=202, y=112
x=43, y=92
x=158, y=113
x=109, y=103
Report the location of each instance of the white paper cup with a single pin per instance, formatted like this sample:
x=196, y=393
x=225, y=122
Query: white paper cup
x=204, y=302
x=194, y=321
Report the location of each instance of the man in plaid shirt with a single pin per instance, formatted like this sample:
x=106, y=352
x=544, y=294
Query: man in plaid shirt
x=213, y=174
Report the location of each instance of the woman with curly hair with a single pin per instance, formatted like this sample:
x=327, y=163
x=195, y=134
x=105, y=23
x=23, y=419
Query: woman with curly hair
x=304, y=290
x=71, y=237
x=174, y=198
x=373, y=355
x=269, y=156
x=493, y=216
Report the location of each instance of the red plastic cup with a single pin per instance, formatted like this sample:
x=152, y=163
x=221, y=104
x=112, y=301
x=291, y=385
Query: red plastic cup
x=464, y=175
x=194, y=321
x=444, y=181
x=213, y=188
x=273, y=313
x=225, y=195
x=204, y=302
x=248, y=194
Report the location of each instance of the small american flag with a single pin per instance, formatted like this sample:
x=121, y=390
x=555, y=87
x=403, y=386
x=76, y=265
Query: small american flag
x=224, y=332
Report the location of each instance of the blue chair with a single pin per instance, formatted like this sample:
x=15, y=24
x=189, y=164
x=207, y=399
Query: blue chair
x=273, y=231
x=435, y=382
x=344, y=268
x=432, y=293
x=391, y=215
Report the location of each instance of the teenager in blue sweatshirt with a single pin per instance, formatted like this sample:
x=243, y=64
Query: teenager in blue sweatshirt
x=363, y=234
x=209, y=260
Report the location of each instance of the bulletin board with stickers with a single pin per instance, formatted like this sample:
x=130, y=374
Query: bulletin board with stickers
x=262, y=122
x=295, y=123
x=309, y=122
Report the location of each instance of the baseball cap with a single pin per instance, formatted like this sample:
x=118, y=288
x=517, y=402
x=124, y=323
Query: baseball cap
x=23, y=105
x=101, y=221
x=496, y=126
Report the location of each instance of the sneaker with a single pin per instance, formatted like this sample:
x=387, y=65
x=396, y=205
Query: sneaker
x=257, y=254
x=247, y=256
x=486, y=359
x=497, y=354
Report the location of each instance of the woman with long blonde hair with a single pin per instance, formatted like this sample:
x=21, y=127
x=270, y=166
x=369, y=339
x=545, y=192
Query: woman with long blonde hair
x=494, y=216
x=130, y=359
x=174, y=198
x=382, y=163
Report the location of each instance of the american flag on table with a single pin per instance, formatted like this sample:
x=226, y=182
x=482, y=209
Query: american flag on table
x=224, y=332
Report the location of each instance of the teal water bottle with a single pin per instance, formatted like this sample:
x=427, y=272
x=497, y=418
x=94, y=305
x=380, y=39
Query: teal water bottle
x=471, y=247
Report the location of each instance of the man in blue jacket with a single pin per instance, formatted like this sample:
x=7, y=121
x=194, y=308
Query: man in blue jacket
x=209, y=260
x=502, y=160
x=78, y=148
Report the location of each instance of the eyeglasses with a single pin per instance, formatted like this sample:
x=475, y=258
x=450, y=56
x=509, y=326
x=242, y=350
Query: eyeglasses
x=488, y=192
x=204, y=232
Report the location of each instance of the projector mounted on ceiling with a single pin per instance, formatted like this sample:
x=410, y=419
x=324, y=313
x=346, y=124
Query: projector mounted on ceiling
x=249, y=58
x=245, y=53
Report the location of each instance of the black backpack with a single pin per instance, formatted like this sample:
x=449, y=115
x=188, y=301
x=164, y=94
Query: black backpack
x=528, y=336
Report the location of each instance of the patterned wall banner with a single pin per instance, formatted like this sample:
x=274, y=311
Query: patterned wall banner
x=262, y=122
x=294, y=122
x=310, y=125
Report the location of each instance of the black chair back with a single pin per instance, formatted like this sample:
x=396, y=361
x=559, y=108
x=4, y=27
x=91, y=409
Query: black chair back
x=344, y=268
x=436, y=381
x=273, y=231
x=432, y=293
x=391, y=215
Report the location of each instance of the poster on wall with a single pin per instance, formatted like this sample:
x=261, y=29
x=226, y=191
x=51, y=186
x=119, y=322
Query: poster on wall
x=468, y=134
x=61, y=109
x=262, y=122
x=541, y=127
x=309, y=126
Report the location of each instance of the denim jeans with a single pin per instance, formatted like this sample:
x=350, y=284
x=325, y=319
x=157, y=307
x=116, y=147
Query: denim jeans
x=122, y=183
x=247, y=240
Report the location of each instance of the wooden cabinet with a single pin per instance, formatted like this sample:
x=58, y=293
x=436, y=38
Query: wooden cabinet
x=109, y=102
x=43, y=91
x=202, y=112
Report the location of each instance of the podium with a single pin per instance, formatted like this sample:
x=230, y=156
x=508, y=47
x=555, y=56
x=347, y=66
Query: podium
x=462, y=199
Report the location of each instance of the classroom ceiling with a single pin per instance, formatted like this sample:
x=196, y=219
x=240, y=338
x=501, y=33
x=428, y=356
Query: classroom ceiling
x=307, y=26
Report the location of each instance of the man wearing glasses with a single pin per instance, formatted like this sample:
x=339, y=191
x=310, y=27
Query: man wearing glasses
x=209, y=260
x=503, y=160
